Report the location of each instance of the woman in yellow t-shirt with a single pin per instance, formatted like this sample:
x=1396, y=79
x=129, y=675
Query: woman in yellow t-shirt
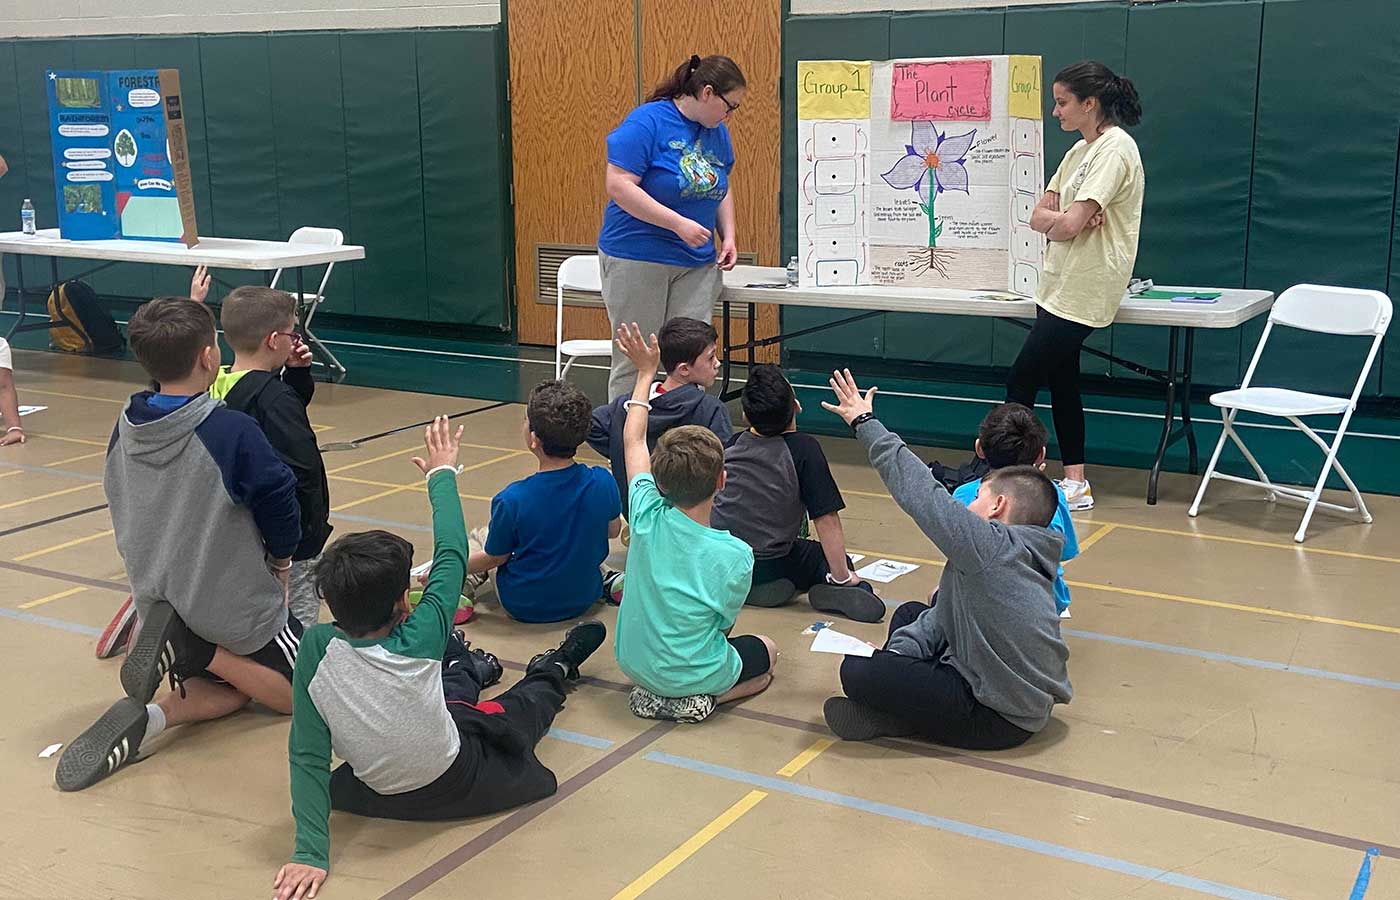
x=1090, y=213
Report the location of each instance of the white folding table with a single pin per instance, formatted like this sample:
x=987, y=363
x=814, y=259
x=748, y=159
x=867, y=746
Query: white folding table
x=1234, y=307
x=216, y=253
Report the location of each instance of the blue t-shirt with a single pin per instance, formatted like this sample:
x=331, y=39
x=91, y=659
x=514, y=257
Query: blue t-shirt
x=684, y=166
x=554, y=527
x=966, y=493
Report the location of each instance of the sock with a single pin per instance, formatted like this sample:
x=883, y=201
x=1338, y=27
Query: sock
x=155, y=722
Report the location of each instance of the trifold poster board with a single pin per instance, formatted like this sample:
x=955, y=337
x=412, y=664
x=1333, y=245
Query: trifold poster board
x=920, y=172
x=121, y=162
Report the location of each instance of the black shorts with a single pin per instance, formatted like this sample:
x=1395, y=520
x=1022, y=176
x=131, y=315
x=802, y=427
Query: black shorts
x=278, y=654
x=804, y=565
x=753, y=656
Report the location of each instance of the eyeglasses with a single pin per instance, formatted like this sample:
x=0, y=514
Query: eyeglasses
x=729, y=108
x=296, y=338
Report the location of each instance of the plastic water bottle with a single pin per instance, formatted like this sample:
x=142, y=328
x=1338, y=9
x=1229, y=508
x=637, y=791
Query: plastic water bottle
x=26, y=217
x=792, y=272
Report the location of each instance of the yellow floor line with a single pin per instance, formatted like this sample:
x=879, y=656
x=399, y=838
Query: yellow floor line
x=1238, y=607
x=685, y=851
x=73, y=459
x=370, y=499
x=799, y=761
x=63, y=546
x=405, y=453
x=47, y=393
x=52, y=597
x=874, y=555
x=82, y=487
x=420, y=488
x=1102, y=532
x=88, y=442
x=11, y=473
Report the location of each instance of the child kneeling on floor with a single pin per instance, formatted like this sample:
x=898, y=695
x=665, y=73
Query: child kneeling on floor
x=982, y=666
x=686, y=581
x=397, y=694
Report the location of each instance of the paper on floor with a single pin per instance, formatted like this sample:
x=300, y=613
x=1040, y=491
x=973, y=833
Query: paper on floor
x=48, y=751
x=829, y=640
x=26, y=410
x=885, y=570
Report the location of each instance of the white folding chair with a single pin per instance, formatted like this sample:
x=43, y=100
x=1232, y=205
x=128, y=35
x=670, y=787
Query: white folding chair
x=1317, y=308
x=579, y=273
x=307, y=304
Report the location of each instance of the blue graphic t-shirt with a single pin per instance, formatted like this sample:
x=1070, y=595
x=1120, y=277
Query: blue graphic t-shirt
x=684, y=166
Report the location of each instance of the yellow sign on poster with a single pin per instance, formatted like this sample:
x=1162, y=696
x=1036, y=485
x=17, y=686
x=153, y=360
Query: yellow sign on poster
x=835, y=89
x=1024, y=100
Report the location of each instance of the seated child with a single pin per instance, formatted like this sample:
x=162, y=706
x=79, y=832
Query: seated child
x=688, y=353
x=686, y=581
x=9, y=400
x=205, y=517
x=1012, y=435
x=982, y=666
x=774, y=476
x=549, y=533
x=270, y=380
x=397, y=695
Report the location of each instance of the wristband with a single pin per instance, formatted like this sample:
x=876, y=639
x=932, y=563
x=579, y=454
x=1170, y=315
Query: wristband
x=286, y=568
x=861, y=420
x=455, y=470
x=851, y=577
x=642, y=403
x=14, y=428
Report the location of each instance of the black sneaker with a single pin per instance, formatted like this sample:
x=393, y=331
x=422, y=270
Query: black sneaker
x=109, y=743
x=856, y=601
x=153, y=653
x=577, y=646
x=488, y=667
x=852, y=721
x=770, y=594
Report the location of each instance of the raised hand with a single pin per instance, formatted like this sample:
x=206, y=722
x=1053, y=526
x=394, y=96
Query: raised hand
x=442, y=446
x=849, y=402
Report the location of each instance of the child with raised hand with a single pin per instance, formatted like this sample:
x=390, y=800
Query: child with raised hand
x=686, y=581
x=983, y=665
x=397, y=694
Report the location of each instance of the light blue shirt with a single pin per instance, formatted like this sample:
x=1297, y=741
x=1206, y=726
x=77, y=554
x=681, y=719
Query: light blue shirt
x=966, y=493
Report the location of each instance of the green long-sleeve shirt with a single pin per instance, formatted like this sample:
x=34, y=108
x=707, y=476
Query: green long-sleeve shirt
x=377, y=702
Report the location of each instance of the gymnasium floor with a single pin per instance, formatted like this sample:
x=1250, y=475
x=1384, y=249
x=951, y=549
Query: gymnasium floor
x=1233, y=732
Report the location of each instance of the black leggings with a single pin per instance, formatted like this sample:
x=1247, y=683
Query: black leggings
x=1050, y=357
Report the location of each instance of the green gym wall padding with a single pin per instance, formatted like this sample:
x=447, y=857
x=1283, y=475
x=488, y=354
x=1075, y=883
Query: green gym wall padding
x=1324, y=168
x=14, y=186
x=384, y=156
x=824, y=37
x=32, y=59
x=460, y=89
x=309, y=117
x=947, y=340
x=1197, y=158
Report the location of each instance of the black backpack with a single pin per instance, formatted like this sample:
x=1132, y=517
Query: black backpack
x=969, y=471
x=81, y=325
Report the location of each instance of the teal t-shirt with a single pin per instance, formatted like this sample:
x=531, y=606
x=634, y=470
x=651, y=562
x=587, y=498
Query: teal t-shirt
x=685, y=586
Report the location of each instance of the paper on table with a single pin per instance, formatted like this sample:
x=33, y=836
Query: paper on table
x=26, y=410
x=885, y=570
x=829, y=640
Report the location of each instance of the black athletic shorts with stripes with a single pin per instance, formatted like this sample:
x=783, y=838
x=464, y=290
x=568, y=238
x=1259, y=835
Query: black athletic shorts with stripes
x=278, y=654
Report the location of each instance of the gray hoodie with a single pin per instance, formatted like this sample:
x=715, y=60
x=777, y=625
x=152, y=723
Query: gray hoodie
x=995, y=619
x=199, y=499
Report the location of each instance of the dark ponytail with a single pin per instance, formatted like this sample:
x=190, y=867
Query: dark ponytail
x=1117, y=96
x=720, y=72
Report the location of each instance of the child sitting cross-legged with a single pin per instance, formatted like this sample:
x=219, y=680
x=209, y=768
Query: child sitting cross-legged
x=686, y=581
x=397, y=695
x=983, y=665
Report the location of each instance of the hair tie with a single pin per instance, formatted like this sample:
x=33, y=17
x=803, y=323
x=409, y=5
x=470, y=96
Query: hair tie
x=694, y=64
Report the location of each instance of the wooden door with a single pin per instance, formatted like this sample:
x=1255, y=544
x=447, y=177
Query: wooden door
x=573, y=78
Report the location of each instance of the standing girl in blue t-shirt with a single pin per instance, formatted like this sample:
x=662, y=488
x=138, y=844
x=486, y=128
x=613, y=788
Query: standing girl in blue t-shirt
x=668, y=200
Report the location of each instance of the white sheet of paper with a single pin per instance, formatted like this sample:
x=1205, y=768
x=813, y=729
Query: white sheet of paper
x=26, y=410
x=48, y=751
x=1065, y=615
x=885, y=570
x=420, y=570
x=829, y=640
x=855, y=557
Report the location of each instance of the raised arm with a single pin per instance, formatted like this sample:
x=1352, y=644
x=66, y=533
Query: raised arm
x=646, y=356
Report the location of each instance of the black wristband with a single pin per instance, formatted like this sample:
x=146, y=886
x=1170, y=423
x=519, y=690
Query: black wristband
x=861, y=420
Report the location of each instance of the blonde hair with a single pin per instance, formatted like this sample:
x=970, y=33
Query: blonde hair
x=687, y=463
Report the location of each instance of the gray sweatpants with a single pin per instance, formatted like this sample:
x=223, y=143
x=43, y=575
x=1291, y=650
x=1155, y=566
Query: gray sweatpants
x=302, y=601
x=650, y=294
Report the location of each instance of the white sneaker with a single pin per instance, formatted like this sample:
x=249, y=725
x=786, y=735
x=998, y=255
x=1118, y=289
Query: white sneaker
x=1078, y=494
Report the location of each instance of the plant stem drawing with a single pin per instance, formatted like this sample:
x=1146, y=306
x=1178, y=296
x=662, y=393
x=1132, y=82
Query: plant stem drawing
x=933, y=163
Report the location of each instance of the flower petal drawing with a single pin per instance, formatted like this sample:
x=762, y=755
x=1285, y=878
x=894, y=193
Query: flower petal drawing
x=953, y=149
x=906, y=173
x=924, y=187
x=952, y=176
x=924, y=137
